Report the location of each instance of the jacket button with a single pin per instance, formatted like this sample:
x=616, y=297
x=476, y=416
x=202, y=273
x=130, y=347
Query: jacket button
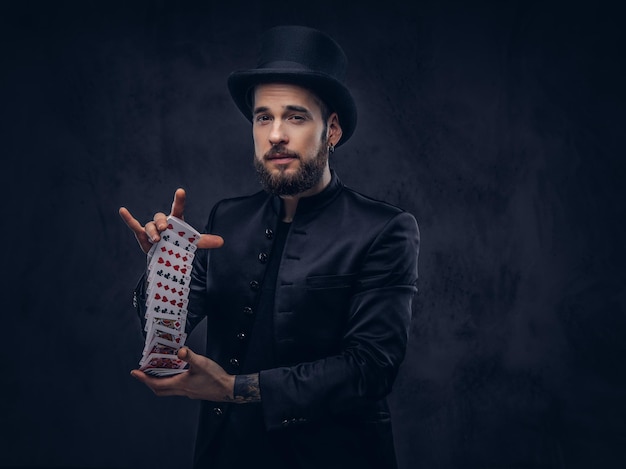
x=234, y=362
x=248, y=311
x=269, y=234
x=262, y=258
x=241, y=335
x=254, y=285
x=217, y=411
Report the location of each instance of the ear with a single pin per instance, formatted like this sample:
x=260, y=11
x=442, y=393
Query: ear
x=334, y=131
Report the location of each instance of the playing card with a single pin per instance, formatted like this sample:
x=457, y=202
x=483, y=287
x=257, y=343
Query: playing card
x=176, y=324
x=167, y=287
x=168, y=301
x=182, y=234
x=156, y=307
x=164, y=372
x=168, y=275
x=164, y=336
x=171, y=257
x=169, y=265
x=167, y=333
x=157, y=363
x=159, y=345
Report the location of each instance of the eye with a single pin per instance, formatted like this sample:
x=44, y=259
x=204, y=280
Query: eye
x=297, y=118
x=261, y=118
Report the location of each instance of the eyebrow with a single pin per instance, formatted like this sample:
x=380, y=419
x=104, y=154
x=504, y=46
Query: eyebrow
x=289, y=107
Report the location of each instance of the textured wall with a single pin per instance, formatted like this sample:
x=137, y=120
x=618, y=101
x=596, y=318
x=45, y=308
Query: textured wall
x=499, y=125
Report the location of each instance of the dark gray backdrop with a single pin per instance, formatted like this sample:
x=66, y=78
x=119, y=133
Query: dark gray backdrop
x=498, y=124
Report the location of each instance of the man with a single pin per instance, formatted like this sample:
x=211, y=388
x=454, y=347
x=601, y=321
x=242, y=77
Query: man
x=308, y=298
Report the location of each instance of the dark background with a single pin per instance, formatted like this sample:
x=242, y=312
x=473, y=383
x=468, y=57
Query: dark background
x=500, y=125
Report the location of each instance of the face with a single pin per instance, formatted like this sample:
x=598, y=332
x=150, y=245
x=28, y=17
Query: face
x=291, y=139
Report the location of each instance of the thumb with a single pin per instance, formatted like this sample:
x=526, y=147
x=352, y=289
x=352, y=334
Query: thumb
x=207, y=241
x=185, y=354
x=178, y=205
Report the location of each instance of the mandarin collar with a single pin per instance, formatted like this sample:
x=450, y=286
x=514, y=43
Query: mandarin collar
x=317, y=201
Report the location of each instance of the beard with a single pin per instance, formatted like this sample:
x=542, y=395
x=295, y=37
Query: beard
x=309, y=173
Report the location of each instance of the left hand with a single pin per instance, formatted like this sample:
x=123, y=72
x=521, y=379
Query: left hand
x=205, y=380
x=151, y=233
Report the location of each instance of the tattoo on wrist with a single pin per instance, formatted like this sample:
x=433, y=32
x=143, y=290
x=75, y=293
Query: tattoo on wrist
x=247, y=388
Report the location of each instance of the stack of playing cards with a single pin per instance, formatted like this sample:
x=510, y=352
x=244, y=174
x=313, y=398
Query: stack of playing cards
x=169, y=273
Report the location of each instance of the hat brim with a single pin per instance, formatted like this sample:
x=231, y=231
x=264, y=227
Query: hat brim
x=327, y=88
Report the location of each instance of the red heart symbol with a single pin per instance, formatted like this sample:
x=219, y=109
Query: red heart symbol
x=173, y=302
x=184, y=271
x=160, y=261
x=180, y=305
x=192, y=239
x=165, y=299
x=170, y=226
x=181, y=233
x=157, y=296
x=176, y=267
x=168, y=263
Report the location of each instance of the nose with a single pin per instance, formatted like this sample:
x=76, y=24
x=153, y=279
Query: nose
x=277, y=133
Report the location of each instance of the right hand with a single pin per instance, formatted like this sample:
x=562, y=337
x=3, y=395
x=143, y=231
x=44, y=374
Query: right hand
x=204, y=379
x=151, y=233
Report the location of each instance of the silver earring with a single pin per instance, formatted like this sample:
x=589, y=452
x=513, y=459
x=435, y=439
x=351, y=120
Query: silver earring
x=331, y=149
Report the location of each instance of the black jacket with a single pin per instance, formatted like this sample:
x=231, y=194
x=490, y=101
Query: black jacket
x=347, y=277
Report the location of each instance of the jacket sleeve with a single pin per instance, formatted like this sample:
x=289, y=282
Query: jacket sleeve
x=373, y=344
x=139, y=302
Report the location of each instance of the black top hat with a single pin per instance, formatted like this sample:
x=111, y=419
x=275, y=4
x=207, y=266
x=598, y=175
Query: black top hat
x=300, y=56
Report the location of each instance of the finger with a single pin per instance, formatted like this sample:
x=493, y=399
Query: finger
x=160, y=221
x=139, y=375
x=152, y=233
x=140, y=233
x=178, y=206
x=130, y=221
x=210, y=242
x=149, y=381
x=159, y=386
x=185, y=354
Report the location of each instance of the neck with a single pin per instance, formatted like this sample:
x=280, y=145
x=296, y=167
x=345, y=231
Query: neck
x=290, y=202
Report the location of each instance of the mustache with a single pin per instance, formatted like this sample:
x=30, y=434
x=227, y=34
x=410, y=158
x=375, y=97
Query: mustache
x=280, y=151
